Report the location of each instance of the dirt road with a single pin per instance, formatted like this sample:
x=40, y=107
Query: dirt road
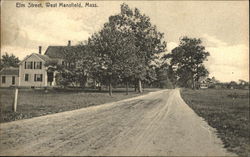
x=159, y=123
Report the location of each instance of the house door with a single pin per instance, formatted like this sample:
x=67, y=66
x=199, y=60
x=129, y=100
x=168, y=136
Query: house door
x=50, y=77
x=13, y=80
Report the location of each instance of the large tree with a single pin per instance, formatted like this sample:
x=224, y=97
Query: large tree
x=148, y=42
x=188, y=58
x=79, y=61
x=125, y=48
x=112, y=49
x=9, y=61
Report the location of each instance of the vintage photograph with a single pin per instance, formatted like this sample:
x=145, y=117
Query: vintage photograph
x=124, y=78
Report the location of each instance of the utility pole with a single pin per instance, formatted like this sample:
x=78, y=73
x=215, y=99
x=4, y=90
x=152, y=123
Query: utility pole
x=15, y=100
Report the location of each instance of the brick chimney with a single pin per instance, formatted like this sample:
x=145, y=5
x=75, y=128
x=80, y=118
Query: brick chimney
x=40, y=50
x=69, y=43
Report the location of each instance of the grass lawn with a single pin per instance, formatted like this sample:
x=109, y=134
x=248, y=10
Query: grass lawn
x=35, y=102
x=227, y=111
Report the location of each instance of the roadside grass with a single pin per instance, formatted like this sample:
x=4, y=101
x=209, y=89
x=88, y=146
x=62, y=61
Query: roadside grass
x=227, y=111
x=35, y=102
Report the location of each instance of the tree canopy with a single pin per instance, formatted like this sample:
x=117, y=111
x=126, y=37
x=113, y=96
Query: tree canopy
x=188, y=59
x=9, y=60
x=126, y=46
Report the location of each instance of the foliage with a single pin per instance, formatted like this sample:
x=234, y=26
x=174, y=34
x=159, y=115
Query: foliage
x=243, y=84
x=148, y=40
x=125, y=47
x=76, y=66
x=163, y=73
x=228, y=85
x=9, y=61
x=112, y=49
x=188, y=59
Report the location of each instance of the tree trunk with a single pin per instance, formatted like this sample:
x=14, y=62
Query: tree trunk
x=85, y=81
x=193, y=83
x=110, y=89
x=139, y=86
x=135, y=87
x=127, y=87
x=94, y=84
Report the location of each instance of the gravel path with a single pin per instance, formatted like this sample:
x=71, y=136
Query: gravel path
x=159, y=123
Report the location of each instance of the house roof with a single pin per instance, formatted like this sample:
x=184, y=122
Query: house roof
x=9, y=71
x=58, y=51
x=55, y=51
x=43, y=57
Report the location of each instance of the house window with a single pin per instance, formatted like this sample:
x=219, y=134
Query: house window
x=38, y=77
x=3, y=79
x=26, y=77
x=28, y=65
x=37, y=65
x=13, y=80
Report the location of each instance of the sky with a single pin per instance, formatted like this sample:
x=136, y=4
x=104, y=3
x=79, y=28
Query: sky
x=223, y=27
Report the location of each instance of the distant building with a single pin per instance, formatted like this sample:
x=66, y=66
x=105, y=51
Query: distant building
x=203, y=83
x=9, y=77
x=206, y=82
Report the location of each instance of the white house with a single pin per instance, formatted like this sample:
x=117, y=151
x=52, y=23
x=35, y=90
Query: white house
x=9, y=77
x=32, y=71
